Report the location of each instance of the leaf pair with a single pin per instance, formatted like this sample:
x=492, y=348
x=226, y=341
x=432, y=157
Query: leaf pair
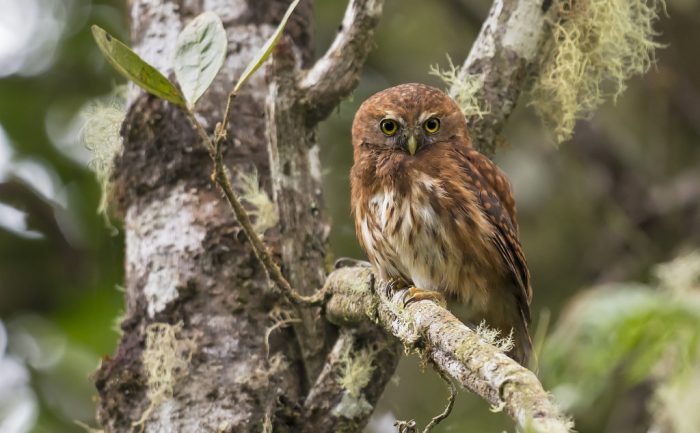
x=199, y=54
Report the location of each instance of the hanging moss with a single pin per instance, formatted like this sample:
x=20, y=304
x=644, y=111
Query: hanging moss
x=356, y=369
x=595, y=47
x=464, y=89
x=264, y=211
x=100, y=133
x=166, y=359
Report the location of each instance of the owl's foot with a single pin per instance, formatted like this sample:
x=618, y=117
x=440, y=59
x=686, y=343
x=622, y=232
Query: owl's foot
x=414, y=294
x=392, y=285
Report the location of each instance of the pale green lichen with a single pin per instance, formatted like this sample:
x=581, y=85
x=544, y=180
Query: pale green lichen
x=264, y=210
x=464, y=89
x=493, y=337
x=102, y=120
x=595, y=47
x=351, y=406
x=676, y=401
x=681, y=274
x=165, y=359
x=356, y=369
x=631, y=333
x=678, y=392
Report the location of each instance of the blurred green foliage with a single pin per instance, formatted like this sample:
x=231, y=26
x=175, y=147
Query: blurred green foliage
x=623, y=195
x=618, y=335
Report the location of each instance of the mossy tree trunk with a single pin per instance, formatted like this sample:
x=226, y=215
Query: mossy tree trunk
x=189, y=265
x=204, y=346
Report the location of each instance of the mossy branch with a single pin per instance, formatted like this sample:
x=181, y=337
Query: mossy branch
x=454, y=348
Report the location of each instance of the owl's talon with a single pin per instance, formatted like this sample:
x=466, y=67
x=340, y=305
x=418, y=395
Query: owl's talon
x=393, y=285
x=414, y=294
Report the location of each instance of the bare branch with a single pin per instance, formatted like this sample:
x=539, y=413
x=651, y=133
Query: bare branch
x=503, y=56
x=451, y=345
x=337, y=73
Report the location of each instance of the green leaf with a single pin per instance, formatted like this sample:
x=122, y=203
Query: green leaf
x=133, y=67
x=265, y=51
x=199, y=55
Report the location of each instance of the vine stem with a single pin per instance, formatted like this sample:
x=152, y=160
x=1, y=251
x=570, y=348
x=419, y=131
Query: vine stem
x=450, y=400
x=221, y=177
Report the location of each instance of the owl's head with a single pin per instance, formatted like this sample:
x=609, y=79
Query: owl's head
x=406, y=121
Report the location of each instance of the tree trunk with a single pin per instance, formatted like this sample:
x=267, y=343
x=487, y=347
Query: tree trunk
x=207, y=343
x=188, y=264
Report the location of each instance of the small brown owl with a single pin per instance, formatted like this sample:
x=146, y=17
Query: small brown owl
x=432, y=212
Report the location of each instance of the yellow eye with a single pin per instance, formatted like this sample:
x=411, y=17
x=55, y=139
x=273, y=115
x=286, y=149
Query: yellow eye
x=388, y=126
x=431, y=125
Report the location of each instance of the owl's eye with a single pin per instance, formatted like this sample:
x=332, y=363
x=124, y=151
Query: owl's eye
x=431, y=125
x=388, y=126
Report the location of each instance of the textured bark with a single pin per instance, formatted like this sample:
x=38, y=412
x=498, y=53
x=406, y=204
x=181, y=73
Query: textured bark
x=296, y=186
x=189, y=264
x=187, y=261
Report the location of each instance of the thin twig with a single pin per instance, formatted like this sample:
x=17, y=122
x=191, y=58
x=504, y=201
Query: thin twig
x=410, y=426
x=223, y=180
x=200, y=131
x=272, y=328
x=221, y=131
x=450, y=400
x=260, y=250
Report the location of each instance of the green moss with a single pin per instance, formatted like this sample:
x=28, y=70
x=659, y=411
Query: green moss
x=352, y=406
x=464, y=89
x=102, y=123
x=264, y=211
x=356, y=369
x=165, y=359
x=681, y=274
x=493, y=337
x=595, y=47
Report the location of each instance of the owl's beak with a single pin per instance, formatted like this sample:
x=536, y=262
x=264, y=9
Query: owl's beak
x=412, y=144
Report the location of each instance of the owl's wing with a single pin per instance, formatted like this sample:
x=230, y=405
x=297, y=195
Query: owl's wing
x=494, y=192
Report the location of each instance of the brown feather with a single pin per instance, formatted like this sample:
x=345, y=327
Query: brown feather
x=443, y=219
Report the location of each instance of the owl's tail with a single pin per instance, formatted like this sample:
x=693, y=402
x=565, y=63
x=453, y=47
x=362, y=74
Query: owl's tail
x=522, y=343
x=510, y=319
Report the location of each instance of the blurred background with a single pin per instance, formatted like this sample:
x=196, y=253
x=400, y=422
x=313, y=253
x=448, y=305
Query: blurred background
x=598, y=215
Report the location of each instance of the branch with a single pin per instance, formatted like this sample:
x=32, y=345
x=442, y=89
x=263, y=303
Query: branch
x=336, y=74
x=355, y=373
x=503, y=57
x=222, y=178
x=451, y=345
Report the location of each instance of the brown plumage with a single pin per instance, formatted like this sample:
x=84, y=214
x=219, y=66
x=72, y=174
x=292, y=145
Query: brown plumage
x=432, y=211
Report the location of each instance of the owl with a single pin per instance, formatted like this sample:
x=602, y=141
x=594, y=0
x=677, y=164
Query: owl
x=434, y=214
